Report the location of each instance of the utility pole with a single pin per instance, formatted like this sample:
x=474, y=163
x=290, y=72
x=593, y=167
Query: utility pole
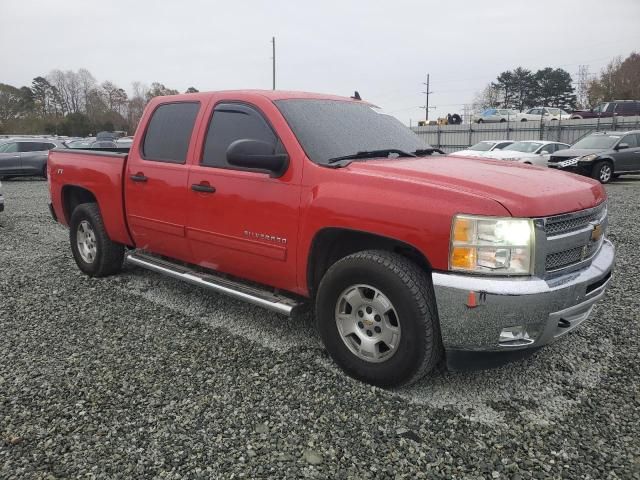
x=273, y=45
x=426, y=104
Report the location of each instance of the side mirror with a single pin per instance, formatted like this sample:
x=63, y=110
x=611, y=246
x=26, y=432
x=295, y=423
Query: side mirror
x=257, y=155
x=622, y=146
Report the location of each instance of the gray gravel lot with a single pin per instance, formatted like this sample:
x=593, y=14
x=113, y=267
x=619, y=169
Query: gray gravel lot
x=138, y=376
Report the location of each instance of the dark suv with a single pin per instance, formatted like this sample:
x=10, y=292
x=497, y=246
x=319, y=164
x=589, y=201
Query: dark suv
x=601, y=155
x=26, y=156
x=618, y=108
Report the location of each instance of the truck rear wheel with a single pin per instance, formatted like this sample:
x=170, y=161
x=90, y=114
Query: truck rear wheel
x=376, y=314
x=94, y=252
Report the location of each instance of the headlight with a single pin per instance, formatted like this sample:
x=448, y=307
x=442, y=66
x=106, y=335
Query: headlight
x=589, y=158
x=491, y=245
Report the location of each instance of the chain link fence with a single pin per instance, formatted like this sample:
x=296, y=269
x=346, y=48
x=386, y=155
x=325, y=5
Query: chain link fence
x=451, y=138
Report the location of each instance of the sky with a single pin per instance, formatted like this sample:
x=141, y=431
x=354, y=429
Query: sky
x=383, y=49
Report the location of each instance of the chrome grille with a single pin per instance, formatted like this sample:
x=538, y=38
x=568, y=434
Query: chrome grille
x=565, y=258
x=571, y=222
x=570, y=240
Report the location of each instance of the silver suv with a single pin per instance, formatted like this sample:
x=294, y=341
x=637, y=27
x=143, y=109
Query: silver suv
x=21, y=157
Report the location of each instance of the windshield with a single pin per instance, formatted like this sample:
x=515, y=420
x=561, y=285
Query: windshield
x=527, y=147
x=481, y=147
x=329, y=129
x=596, y=142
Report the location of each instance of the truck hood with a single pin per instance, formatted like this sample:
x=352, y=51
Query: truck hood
x=524, y=190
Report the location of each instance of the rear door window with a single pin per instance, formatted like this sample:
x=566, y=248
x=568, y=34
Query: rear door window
x=231, y=122
x=30, y=146
x=169, y=132
x=9, y=148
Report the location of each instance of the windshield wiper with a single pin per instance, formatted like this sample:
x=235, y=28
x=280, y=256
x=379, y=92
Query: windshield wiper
x=427, y=151
x=371, y=154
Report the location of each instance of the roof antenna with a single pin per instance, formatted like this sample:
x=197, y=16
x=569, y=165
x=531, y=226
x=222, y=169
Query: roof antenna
x=356, y=96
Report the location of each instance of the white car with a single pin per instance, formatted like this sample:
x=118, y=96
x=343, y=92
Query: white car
x=480, y=148
x=533, y=152
x=548, y=114
x=494, y=115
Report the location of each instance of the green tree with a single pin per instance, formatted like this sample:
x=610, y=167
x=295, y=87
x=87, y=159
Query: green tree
x=76, y=125
x=42, y=95
x=191, y=90
x=554, y=88
x=11, y=102
x=518, y=88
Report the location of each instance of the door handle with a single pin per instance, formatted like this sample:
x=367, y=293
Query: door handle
x=139, y=177
x=202, y=187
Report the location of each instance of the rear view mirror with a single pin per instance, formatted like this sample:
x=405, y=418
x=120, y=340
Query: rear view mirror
x=257, y=155
x=622, y=146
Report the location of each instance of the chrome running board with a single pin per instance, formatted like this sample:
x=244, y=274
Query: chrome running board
x=261, y=297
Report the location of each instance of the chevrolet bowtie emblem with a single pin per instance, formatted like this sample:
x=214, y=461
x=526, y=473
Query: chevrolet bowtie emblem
x=596, y=233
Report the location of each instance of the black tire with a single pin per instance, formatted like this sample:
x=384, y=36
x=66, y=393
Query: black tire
x=480, y=121
x=602, y=171
x=523, y=120
x=108, y=255
x=503, y=120
x=410, y=291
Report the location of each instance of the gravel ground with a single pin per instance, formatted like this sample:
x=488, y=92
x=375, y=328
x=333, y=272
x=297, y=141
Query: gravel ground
x=138, y=376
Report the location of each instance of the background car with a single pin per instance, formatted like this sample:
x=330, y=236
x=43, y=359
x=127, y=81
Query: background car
x=601, y=155
x=548, y=114
x=494, y=115
x=622, y=108
x=533, y=152
x=81, y=143
x=482, y=147
x=26, y=156
x=124, y=142
x=103, y=144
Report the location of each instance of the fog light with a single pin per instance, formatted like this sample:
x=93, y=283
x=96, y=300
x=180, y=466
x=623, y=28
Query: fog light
x=515, y=337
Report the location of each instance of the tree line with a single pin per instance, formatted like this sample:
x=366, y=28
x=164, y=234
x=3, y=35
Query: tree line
x=73, y=103
x=522, y=88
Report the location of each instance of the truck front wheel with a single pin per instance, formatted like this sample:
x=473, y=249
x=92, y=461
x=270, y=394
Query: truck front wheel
x=94, y=252
x=376, y=314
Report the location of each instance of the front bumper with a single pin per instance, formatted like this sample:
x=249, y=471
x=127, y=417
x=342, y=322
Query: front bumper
x=474, y=310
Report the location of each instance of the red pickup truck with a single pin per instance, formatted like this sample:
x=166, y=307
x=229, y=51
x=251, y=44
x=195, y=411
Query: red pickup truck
x=284, y=198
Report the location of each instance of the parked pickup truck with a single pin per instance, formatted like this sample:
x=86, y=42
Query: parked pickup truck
x=284, y=199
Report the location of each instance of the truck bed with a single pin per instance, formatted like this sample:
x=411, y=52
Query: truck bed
x=98, y=171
